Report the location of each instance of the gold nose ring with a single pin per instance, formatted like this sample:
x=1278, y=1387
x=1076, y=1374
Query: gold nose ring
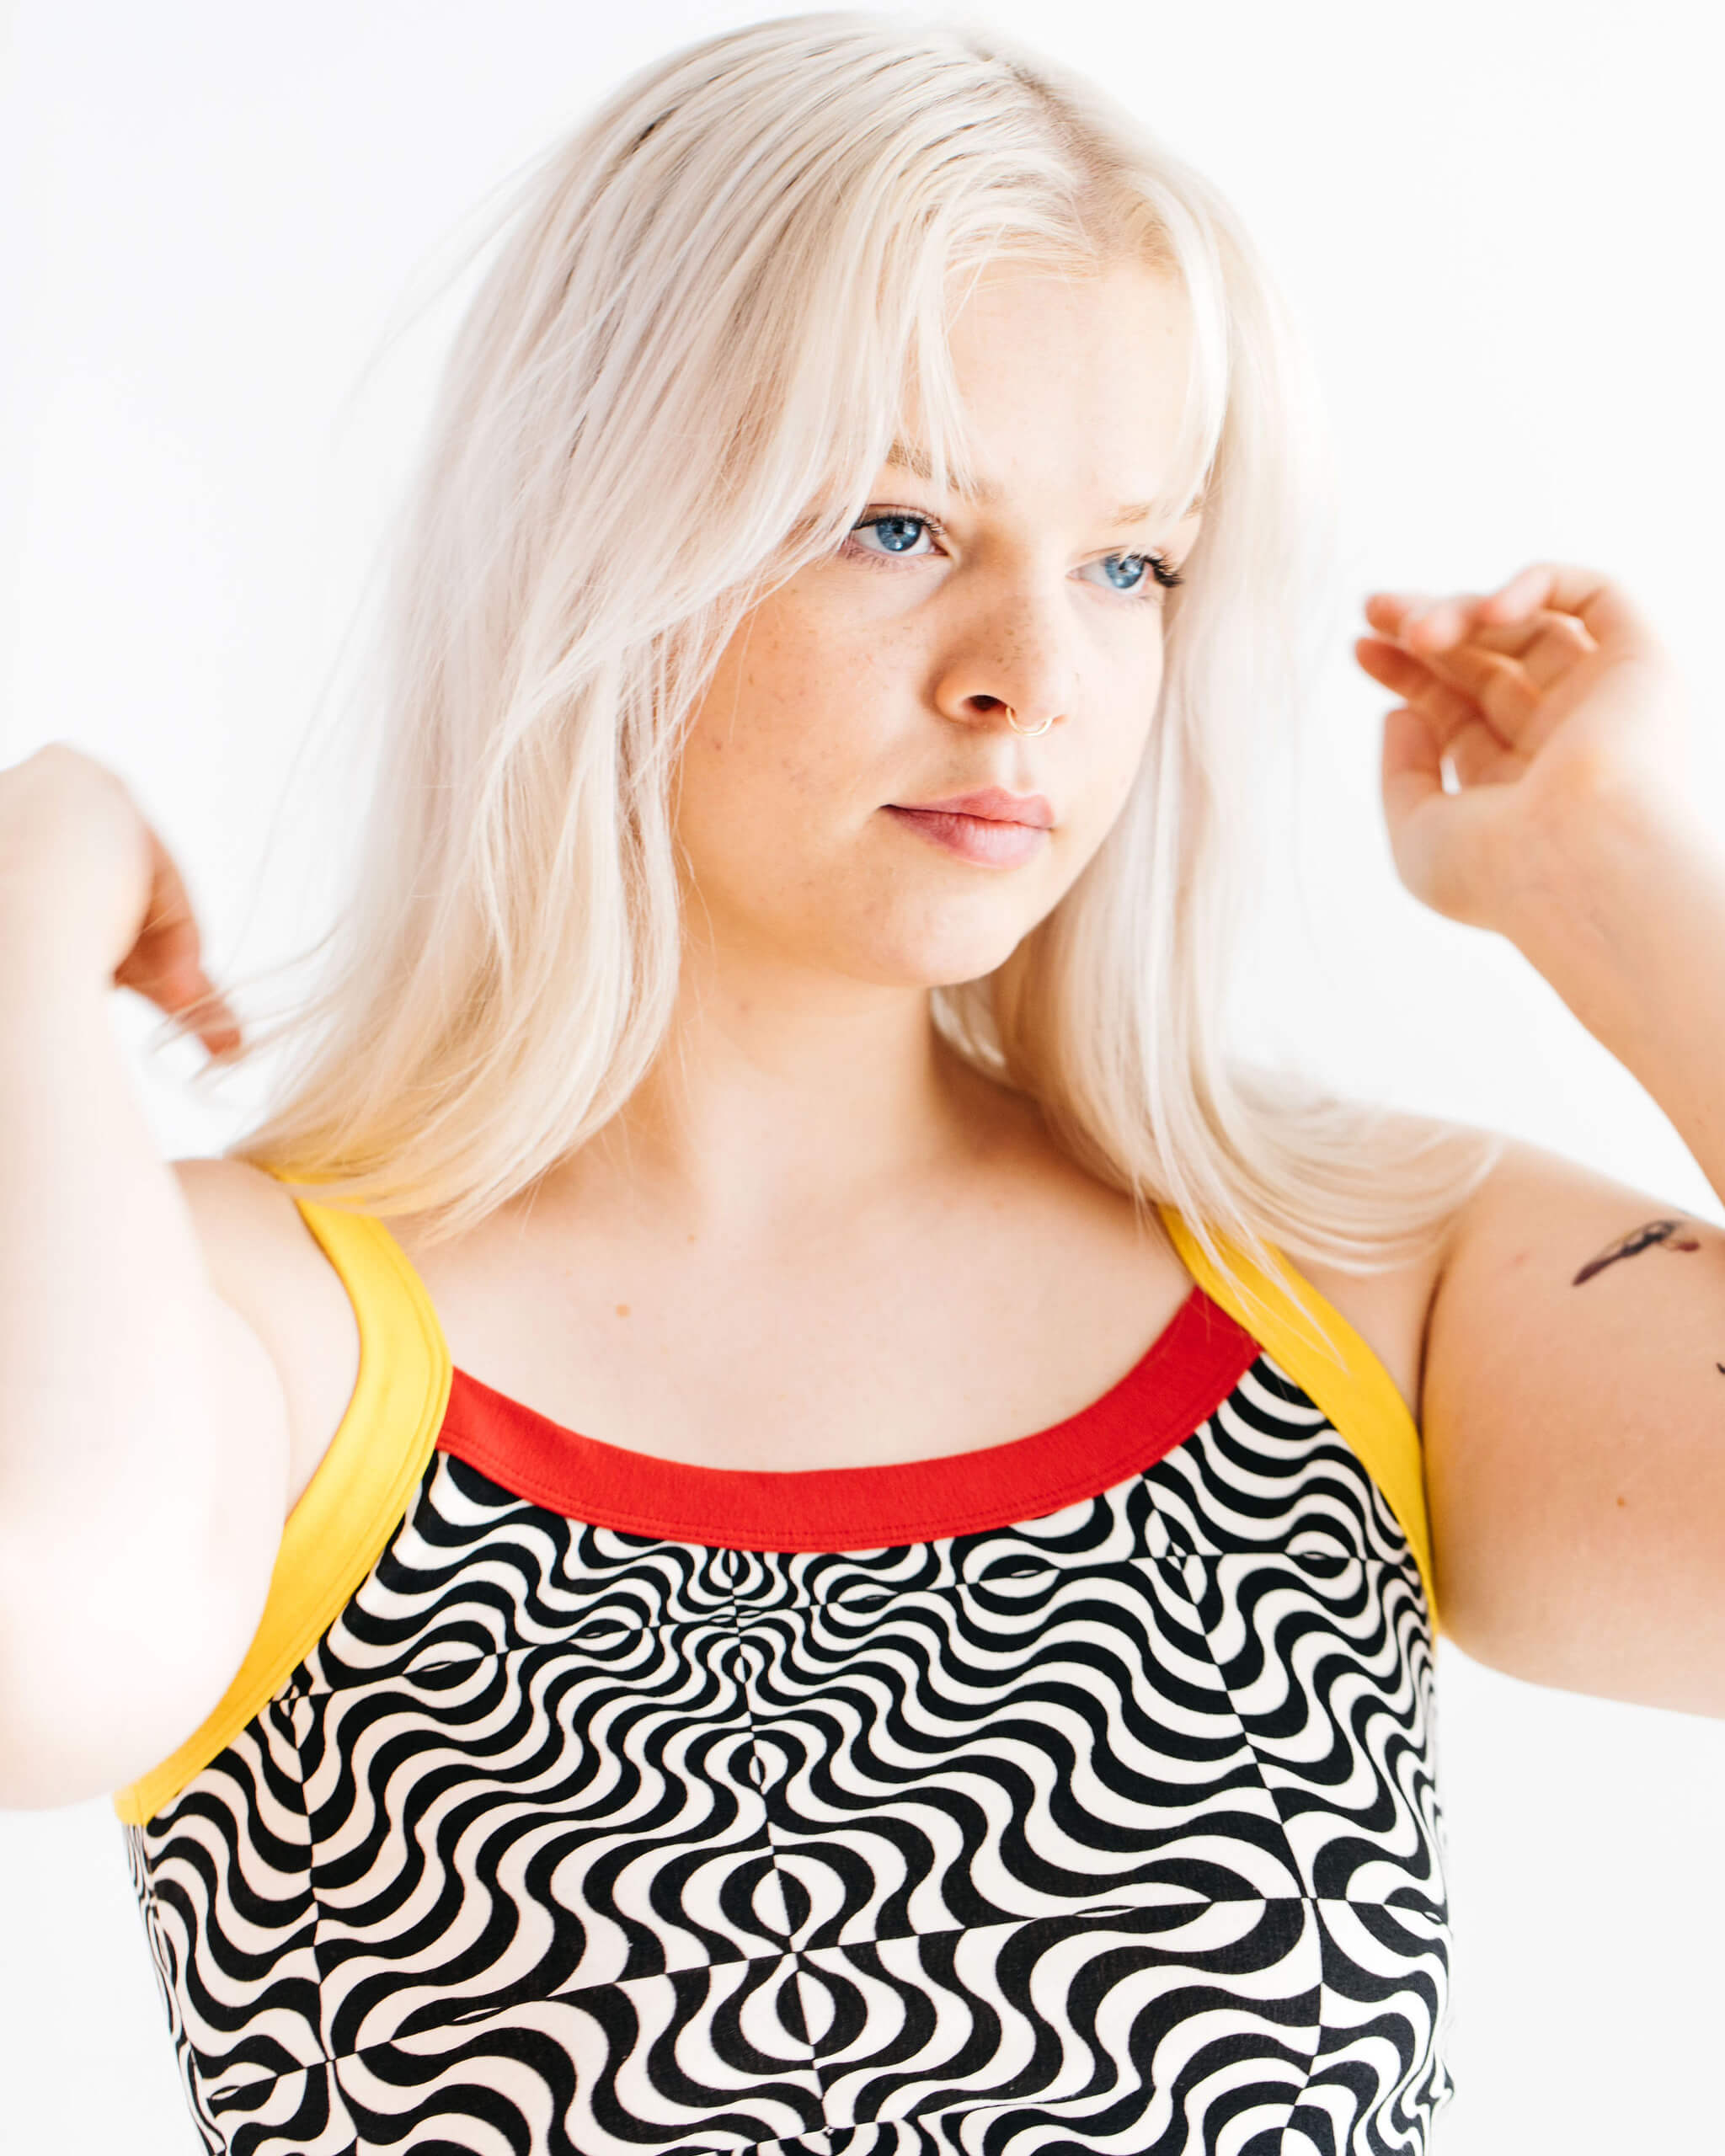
x=1029, y=733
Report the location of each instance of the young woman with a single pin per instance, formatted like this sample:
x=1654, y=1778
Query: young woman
x=775, y=1504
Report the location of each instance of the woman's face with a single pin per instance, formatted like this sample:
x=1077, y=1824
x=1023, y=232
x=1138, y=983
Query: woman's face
x=878, y=680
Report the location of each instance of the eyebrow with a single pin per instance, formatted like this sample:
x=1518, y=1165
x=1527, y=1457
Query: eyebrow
x=909, y=458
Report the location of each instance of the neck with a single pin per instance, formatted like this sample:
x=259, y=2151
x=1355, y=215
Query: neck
x=780, y=1093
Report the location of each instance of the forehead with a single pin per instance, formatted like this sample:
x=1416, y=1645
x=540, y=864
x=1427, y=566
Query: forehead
x=1078, y=385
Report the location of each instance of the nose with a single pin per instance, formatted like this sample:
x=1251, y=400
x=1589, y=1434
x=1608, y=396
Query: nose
x=1013, y=665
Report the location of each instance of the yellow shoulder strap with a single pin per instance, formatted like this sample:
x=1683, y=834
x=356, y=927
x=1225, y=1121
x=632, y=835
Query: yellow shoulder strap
x=1355, y=1391
x=355, y=1500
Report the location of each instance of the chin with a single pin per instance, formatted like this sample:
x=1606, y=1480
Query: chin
x=939, y=944
x=940, y=962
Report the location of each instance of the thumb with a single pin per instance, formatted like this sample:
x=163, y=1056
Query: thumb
x=1412, y=765
x=1434, y=837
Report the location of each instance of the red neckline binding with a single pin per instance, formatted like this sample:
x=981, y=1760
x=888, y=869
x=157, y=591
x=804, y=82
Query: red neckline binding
x=1182, y=1378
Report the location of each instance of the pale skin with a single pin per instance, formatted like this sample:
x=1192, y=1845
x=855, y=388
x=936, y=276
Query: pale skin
x=813, y=1239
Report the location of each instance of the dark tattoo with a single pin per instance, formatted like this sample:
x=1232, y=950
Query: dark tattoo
x=1637, y=1240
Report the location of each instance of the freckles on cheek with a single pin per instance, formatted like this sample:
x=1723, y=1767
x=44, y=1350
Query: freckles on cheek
x=799, y=726
x=794, y=714
x=753, y=740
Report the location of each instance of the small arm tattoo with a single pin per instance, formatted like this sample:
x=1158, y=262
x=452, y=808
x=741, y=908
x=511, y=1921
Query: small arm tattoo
x=1671, y=1234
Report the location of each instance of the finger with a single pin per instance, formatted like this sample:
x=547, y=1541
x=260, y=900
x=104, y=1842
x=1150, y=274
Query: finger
x=1413, y=764
x=1488, y=691
x=1497, y=684
x=163, y=963
x=1494, y=684
x=1512, y=685
x=1437, y=620
x=1434, y=838
x=1473, y=748
x=193, y=1002
x=1427, y=624
x=1447, y=636
x=167, y=943
x=1387, y=610
x=211, y=1019
x=1602, y=607
x=1546, y=646
x=1415, y=806
x=1517, y=639
x=1399, y=670
x=1433, y=624
x=1478, y=757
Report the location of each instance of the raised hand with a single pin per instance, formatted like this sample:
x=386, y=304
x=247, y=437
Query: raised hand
x=88, y=877
x=1556, y=709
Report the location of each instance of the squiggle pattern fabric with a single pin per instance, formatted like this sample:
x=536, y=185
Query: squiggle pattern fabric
x=1112, y=1830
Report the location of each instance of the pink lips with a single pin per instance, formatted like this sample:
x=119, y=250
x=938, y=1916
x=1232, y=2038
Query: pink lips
x=992, y=827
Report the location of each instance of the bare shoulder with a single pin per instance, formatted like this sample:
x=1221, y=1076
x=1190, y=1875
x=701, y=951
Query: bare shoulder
x=265, y=1263
x=1530, y=1200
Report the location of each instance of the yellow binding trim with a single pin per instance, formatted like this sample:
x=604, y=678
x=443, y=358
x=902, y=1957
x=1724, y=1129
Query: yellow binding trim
x=355, y=1500
x=1357, y=1394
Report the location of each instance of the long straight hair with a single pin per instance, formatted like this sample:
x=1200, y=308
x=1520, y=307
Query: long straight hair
x=709, y=312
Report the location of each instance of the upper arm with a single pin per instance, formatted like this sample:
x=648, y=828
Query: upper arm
x=138, y=1629
x=266, y=1265
x=1573, y=1414
x=279, y=1369
x=139, y=1633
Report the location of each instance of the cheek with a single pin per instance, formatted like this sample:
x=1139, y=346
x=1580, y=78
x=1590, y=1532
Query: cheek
x=744, y=736
x=1108, y=754
x=770, y=761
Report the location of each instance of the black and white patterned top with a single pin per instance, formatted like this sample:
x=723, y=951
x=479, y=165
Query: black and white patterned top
x=1070, y=1794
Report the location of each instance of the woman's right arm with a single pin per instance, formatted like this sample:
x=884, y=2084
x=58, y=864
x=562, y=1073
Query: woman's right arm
x=144, y=1434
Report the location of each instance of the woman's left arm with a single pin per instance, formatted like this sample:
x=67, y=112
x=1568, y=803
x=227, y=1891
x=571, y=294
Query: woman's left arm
x=1572, y=1396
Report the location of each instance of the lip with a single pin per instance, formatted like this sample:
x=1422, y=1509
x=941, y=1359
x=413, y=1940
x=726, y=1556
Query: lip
x=993, y=804
x=992, y=829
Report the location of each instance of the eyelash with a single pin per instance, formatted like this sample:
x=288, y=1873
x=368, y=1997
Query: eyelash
x=1163, y=577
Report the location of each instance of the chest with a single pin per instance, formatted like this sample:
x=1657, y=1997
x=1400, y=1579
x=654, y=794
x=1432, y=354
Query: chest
x=759, y=1846
x=747, y=1365
x=956, y=1331
x=848, y=1356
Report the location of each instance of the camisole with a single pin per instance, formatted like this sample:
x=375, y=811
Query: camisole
x=1072, y=1794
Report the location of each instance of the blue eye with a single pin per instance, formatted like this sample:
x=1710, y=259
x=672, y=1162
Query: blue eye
x=898, y=534
x=1142, y=569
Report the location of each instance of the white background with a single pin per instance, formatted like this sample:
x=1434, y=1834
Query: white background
x=1499, y=224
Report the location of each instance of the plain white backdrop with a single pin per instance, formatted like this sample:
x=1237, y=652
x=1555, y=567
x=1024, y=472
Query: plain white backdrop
x=1498, y=225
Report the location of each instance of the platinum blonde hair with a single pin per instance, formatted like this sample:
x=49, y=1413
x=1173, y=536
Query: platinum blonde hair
x=714, y=305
